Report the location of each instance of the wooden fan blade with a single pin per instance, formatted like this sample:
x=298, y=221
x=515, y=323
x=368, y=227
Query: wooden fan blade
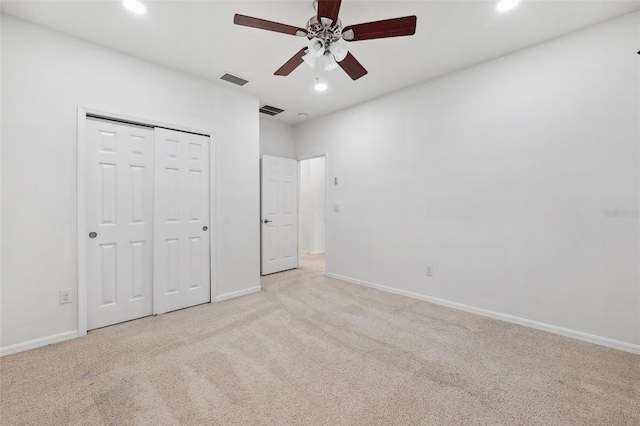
x=351, y=66
x=328, y=9
x=263, y=24
x=291, y=64
x=395, y=27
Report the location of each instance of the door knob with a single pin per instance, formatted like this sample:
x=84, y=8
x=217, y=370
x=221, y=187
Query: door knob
x=204, y=228
x=267, y=221
x=92, y=234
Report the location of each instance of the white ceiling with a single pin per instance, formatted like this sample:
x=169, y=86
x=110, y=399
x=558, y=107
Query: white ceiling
x=199, y=37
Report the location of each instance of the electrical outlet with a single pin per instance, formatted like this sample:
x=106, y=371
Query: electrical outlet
x=428, y=270
x=65, y=296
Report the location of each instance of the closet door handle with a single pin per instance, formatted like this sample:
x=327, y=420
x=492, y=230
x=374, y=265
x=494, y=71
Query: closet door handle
x=93, y=234
x=204, y=228
x=267, y=221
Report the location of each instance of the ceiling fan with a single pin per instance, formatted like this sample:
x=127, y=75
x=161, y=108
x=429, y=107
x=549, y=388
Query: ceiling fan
x=324, y=30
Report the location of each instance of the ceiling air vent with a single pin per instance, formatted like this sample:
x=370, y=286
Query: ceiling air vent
x=270, y=110
x=234, y=79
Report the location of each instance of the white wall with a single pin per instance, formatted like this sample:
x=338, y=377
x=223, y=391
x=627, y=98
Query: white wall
x=499, y=176
x=45, y=76
x=312, y=205
x=276, y=138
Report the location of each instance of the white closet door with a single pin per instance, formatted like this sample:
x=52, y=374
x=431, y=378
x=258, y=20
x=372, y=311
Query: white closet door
x=181, y=265
x=119, y=222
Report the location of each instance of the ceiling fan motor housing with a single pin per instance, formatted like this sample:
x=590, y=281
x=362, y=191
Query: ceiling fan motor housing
x=325, y=30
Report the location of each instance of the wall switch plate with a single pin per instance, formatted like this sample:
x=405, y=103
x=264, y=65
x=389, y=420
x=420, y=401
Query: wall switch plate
x=428, y=270
x=336, y=208
x=65, y=296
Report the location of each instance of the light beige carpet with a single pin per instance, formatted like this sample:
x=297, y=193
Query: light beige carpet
x=312, y=350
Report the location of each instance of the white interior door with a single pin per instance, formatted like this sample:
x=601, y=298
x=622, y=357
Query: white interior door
x=119, y=219
x=279, y=214
x=181, y=265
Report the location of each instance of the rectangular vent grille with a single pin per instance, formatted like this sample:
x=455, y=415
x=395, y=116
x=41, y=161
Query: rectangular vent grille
x=270, y=110
x=234, y=79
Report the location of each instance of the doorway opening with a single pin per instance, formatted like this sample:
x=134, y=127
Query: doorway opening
x=312, y=213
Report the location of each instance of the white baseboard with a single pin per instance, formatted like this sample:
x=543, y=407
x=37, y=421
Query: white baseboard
x=579, y=335
x=61, y=337
x=36, y=343
x=312, y=252
x=598, y=340
x=238, y=293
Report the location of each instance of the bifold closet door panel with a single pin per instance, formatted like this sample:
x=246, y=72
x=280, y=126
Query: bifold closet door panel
x=119, y=217
x=181, y=263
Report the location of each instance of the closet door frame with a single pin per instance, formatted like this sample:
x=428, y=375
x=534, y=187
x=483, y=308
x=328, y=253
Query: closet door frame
x=81, y=173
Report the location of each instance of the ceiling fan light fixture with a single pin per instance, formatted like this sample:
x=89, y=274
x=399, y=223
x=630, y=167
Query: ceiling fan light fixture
x=506, y=5
x=329, y=62
x=135, y=6
x=316, y=47
x=310, y=60
x=338, y=51
x=324, y=29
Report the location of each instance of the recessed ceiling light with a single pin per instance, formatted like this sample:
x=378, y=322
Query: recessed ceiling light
x=505, y=5
x=320, y=87
x=135, y=6
x=302, y=115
